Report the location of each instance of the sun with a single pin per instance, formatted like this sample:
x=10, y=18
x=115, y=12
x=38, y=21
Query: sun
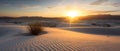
x=72, y=14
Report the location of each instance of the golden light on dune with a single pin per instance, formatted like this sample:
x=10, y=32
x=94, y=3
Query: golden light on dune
x=73, y=14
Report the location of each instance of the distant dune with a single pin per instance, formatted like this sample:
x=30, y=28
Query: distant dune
x=100, y=17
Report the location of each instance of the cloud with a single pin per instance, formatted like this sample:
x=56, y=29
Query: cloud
x=116, y=4
x=30, y=6
x=109, y=11
x=98, y=2
x=56, y=5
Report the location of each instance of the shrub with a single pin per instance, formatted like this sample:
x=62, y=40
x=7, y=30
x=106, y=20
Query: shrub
x=107, y=25
x=35, y=28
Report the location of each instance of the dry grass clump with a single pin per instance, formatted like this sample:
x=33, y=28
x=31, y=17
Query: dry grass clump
x=35, y=28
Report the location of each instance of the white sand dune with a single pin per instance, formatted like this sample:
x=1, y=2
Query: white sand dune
x=55, y=40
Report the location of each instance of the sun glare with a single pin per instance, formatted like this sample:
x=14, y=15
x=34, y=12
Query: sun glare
x=72, y=14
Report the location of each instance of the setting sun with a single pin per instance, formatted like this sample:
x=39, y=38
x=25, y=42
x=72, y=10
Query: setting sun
x=72, y=14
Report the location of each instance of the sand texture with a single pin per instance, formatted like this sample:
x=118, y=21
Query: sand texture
x=13, y=38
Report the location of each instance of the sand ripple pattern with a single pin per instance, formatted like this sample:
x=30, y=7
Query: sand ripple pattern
x=54, y=40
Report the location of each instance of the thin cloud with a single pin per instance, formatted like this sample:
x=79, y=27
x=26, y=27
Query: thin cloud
x=115, y=4
x=109, y=11
x=29, y=7
x=98, y=2
x=57, y=4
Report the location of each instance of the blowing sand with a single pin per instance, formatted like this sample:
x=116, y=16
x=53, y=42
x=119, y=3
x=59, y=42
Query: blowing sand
x=12, y=39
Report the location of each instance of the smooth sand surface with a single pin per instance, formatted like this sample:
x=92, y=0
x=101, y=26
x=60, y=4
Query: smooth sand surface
x=13, y=39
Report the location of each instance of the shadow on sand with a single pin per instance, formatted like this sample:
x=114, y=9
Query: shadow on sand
x=28, y=34
x=98, y=31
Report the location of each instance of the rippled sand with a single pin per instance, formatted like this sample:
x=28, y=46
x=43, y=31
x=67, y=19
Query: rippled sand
x=55, y=40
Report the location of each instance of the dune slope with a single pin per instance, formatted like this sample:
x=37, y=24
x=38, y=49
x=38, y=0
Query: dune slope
x=56, y=40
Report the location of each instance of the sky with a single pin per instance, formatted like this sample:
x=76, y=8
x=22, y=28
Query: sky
x=58, y=8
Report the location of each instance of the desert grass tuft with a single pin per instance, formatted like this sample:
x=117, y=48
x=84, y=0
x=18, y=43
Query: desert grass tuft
x=35, y=28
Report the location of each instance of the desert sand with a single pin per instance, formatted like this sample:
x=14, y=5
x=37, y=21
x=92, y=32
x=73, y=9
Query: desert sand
x=13, y=38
